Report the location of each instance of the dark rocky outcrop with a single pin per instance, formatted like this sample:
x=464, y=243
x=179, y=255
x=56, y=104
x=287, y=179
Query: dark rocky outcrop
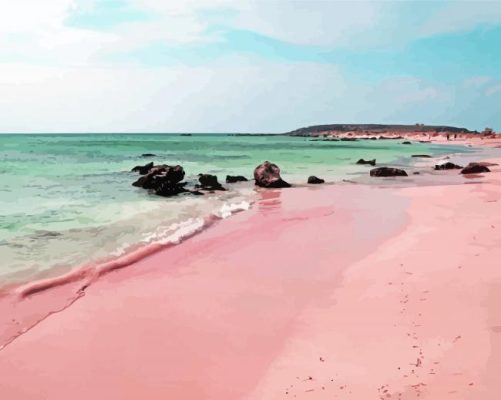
x=142, y=169
x=209, y=182
x=345, y=139
x=367, y=162
x=421, y=156
x=235, y=178
x=387, y=171
x=168, y=190
x=267, y=175
x=447, y=165
x=406, y=142
x=475, y=168
x=148, y=155
x=160, y=175
x=314, y=180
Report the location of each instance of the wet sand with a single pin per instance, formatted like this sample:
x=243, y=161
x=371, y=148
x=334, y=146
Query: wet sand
x=342, y=291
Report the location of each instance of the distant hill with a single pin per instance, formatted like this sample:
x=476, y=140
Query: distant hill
x=376, y=128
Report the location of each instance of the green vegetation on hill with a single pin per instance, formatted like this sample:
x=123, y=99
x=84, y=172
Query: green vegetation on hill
x=376, y=128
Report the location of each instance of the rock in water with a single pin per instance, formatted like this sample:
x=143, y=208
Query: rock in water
x=148, y=155
x=209, y=182
x=407, y=142
x=447, y=165
x=143, y=170
x=168, y=190
x=367, y=162
x=236, y=178
x=475, y=168
x=421, y=156
x=314, y=180
x=387, y=171
x=161, y=175
x=267, y=175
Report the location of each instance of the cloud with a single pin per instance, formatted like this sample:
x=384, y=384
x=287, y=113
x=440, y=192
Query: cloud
x=494, y=89
x=477, y=81
x=226, y=96
x=461, y=16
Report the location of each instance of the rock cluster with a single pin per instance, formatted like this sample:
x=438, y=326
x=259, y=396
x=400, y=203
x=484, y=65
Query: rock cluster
x=447, y=165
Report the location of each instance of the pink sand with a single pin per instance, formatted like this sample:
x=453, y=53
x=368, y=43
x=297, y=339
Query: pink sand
x=343, y=291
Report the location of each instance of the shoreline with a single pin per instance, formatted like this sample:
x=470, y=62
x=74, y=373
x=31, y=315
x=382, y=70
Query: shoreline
x=278, y=219
x=72, y=283
x=44, y=277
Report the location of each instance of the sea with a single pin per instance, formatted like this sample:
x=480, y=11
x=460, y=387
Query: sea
x=66, y=200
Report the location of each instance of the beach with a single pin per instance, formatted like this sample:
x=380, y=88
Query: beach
x=342, y=291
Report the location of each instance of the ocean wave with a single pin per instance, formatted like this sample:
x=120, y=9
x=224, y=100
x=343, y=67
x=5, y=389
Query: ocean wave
x=126, y=254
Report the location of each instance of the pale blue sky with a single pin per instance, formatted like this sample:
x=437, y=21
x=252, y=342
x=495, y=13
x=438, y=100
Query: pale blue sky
x=264, y=66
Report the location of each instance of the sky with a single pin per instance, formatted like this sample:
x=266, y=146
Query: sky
x=246, y=66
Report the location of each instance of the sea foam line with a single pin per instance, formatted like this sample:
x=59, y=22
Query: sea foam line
x=90, y=272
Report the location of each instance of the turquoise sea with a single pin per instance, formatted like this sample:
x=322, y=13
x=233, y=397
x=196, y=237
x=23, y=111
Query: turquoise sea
x=66, y=200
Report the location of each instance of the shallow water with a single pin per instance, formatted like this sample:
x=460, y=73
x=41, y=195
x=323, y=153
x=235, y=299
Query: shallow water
x=67, y=199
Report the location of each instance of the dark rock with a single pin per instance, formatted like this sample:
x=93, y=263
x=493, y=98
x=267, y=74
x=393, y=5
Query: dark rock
x=407, y=142
x=143, y=170
x=475, y=168
x=160, y=175
x=387, y=171
x=421, y=156
x=367, y=162
x=267, y=175
x=209, y=182
x=235, y=178
x=345, y=139
x=314, y=180
x=148, y=155
x=447, y=165
x=168, y=190
x=416, y=173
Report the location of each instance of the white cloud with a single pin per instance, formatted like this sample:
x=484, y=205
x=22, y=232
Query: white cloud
x=224, y=96
x=494, y=89
x=459, y=16
x=476, y=81
x=22, y=16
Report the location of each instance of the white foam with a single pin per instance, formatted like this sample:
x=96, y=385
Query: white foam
x=227, y=210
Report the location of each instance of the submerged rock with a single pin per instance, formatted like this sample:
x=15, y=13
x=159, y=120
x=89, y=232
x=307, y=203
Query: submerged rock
x=447, y=165
x=475, y=168
x=367, y=162
x=235, y=178
x=148, y=155
x=209, y=182
x=406, y=142
x=314, y=180
x=387, y=171
x=421, y=156
x=267, y=175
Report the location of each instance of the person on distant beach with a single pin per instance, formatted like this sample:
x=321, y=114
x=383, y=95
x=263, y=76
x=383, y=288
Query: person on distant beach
x=455, y=136
x=448, y=136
